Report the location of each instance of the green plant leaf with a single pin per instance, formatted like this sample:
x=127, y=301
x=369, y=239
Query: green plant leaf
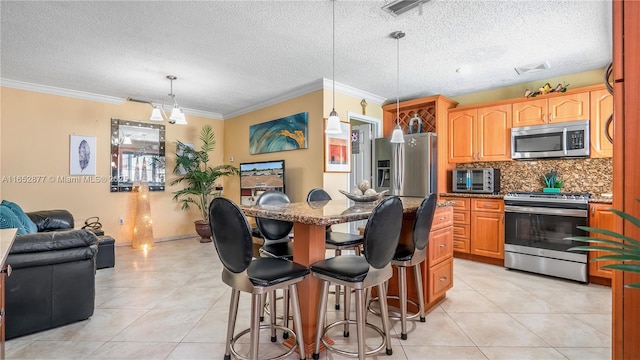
x=196, y=176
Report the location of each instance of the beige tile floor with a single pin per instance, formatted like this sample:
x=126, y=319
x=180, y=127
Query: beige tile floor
x=171, y=304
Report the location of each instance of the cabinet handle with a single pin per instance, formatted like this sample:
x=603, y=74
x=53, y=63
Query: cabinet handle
x=593, y=210
x=443, y=279
x=443, y=245
x=550, y=118
x=503, y=219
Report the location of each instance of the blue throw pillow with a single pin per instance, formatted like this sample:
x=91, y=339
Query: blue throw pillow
x=9, y=220
x=27, y=223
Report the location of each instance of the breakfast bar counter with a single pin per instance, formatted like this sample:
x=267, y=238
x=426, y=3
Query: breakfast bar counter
x=310, y=220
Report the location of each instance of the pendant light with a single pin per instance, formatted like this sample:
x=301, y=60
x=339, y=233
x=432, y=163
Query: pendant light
x=397, y=137
x=333, y=123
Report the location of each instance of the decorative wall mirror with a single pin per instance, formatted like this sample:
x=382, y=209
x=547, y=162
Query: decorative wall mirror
x=137, y=155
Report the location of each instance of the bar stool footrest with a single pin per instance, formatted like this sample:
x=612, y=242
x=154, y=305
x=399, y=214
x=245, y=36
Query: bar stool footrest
x=332, y=347
x=265, y=326
x=394, y=310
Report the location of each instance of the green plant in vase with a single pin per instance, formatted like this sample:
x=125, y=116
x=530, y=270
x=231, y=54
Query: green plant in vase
x=552, y=182
x=199, y=178
x=624, y=250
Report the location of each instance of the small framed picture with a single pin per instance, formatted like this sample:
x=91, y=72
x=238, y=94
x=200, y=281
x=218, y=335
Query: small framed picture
x=82, y=155
x=337, y=149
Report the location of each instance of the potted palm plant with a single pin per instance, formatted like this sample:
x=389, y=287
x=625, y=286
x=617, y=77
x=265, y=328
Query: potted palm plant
x=623, y=250
x=199, y=178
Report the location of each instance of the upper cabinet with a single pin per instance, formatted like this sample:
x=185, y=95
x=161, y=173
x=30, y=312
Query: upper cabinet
x=480, y=134
x=601, y=127
x=554, y=109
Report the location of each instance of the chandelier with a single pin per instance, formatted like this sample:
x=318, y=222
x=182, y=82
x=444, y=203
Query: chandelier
x=176, y=116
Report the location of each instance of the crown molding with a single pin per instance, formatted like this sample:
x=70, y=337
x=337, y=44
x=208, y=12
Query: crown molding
x=60, y=91
x=351, y=91
x=320, y=84
x=206, y=114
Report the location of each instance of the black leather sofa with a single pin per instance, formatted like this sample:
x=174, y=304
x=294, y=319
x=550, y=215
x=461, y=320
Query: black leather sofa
x=52, y=282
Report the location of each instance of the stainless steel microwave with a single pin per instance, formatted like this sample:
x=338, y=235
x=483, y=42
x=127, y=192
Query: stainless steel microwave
x=486, y=180
x=568, y=139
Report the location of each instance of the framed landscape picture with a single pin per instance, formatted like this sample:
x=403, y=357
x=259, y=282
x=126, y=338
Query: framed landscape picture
x=337, y=149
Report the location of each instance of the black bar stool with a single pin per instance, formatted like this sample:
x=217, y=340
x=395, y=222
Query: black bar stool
x=337, y=240
x=232, y=238
x=277, y=244
x=381, y=236
x=412, y=255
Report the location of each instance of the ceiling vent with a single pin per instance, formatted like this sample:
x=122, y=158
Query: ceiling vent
x=521, y=70
x=398, y=7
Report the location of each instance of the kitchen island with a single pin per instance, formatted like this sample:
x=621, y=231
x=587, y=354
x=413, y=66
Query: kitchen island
x=310, y=220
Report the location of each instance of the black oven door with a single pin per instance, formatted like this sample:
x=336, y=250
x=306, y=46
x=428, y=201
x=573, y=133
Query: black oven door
x=544, y=228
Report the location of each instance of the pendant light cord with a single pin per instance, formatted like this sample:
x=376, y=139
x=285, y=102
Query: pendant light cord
x=333, y=39
x=398, y=81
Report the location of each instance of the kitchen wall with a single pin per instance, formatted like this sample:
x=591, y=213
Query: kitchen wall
x=594, y=176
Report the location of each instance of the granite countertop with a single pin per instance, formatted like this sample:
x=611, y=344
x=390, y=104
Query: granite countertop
x=327, y=212
x=599, y=199
x=473, y=195
x=595, y=198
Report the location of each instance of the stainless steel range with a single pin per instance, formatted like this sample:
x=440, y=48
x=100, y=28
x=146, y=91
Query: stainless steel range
x=536, y=225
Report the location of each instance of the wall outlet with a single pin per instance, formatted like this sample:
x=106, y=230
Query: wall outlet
x=121, y=221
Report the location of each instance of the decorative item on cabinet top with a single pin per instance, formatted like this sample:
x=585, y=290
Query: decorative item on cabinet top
x=546, y=89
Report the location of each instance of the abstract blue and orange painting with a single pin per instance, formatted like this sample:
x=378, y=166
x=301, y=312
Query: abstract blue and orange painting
x=287, y=133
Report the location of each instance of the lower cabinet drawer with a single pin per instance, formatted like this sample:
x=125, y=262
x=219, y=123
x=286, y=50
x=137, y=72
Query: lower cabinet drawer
x=440, y=279
x=461, y=245
x=462, y=231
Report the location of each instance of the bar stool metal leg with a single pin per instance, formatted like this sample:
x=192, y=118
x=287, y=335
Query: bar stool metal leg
x=418, y=277
x=322, y=309
x=231, y=323
x=402, y=280
x=360, y=323
x=255, y=325
x=338, y=252
x=272, y=309
x=386, y=324
x=285, y=312
x=297, y=319
x=347, y=310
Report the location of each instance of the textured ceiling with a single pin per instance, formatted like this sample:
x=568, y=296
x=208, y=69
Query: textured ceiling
x=231, y=55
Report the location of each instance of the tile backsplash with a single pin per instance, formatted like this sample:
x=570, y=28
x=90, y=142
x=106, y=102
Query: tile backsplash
x=593, y=176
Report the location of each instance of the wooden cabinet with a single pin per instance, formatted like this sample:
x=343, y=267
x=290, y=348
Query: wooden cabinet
x=552, y=108
x=487, y=234
x=600, y=126
x=478, y=226
x=601, y=217
x=461, y=224
x=480, y=134
x=439, y=263
x=626, y=172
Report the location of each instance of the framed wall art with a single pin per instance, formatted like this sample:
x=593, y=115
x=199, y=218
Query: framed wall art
x=287, y=133
x=82, y=155
x=337, y=149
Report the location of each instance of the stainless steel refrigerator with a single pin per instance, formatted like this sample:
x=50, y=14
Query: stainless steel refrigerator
x=408, y=169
